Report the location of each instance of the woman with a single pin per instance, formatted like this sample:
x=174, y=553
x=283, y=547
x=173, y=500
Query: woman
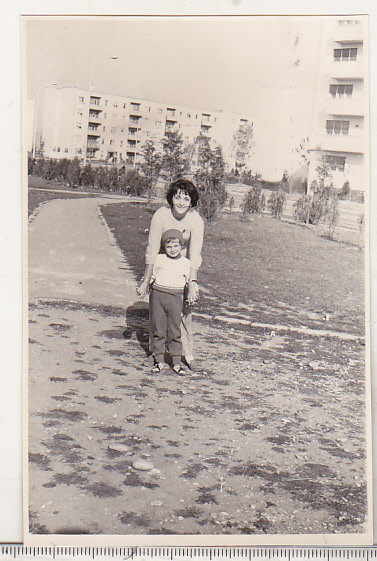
x=182, y=197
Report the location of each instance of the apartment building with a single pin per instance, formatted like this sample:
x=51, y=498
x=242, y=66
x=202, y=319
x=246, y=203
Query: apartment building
x=340, y=117
x=100, y=127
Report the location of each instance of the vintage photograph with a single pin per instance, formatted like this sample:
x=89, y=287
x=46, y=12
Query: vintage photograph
x=197, y=260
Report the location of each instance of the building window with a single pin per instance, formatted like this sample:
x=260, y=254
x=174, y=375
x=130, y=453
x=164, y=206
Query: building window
x=79, y=126
x=189, y=115
x=336, y=162
x=103, y=128
x=105, y=102
x=81, y=99
x=159, y=110
x=134, y=118
x=111, y=142
x=94, y=100
x=341, y=90
x=104, y=115
x=170, y=111
x=121, y=143
x=124, y=106
x=115, y=106
x=132, y=131
x=113, y=130
x=345, y=54
x=103, y=142
x=79, y=113
x=135, y=106
x=337, y=127
x=65, y=150
x=157, y=122
x=58, y=149
x=131, y=143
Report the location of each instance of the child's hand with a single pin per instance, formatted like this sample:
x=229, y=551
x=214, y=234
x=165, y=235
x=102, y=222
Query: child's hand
x=142, y=289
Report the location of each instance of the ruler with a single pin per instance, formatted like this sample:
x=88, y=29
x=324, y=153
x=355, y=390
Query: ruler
x=61, y=553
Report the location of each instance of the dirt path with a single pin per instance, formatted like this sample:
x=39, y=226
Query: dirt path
x=258, y=442
x=73, y=256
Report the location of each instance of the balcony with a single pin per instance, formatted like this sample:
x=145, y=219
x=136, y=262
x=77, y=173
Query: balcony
x=91, y=143
x=347, y=69
x=345, y=106
x=341, y=143
x=94, y=131
x=345, y=34
x=94, y=118
x=95, y=106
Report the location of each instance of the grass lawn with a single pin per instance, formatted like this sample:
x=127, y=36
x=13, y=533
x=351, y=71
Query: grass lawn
x=261, y=263
x=36, y=197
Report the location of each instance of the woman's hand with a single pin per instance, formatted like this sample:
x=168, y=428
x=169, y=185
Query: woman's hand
x=142, y=289
x=193, y=292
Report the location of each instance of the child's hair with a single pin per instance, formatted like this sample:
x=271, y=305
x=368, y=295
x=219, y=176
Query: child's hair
x=172, y=239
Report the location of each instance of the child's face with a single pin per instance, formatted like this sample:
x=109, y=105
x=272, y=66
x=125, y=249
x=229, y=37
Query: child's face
x=173, y=247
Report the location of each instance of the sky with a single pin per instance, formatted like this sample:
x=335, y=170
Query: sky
x=261, y=67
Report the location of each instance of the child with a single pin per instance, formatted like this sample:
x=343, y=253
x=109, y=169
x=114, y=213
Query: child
x=169, y=277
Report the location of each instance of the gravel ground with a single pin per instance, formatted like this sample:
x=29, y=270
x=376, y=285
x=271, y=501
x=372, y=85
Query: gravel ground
x=267, y=437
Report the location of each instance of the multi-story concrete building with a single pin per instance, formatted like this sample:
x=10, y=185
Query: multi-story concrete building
x=340, y=117
x=96, y=126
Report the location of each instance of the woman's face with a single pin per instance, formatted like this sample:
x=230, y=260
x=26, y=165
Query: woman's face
x=181, y=203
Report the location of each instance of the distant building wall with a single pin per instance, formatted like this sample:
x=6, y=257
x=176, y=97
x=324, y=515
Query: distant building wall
x=104, y=127
x=339, y=128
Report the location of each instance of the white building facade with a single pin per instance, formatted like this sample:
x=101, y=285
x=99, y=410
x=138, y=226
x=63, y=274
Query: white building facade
x=100, y=127
x=340, y=117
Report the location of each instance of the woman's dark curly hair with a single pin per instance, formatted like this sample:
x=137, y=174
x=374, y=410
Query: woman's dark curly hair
x=183, y=185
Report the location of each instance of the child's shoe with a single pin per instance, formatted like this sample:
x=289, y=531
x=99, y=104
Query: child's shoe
x=158, y=367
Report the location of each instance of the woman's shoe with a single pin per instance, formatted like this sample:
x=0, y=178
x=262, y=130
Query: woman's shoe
x=190, y=363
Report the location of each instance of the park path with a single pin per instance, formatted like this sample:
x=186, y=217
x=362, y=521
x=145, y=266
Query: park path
x=73, y=255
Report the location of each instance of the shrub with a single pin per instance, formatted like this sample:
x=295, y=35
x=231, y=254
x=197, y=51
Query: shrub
x=345, y=191
x=302, y=208
x=321, y=204
x=72, y=172
x=254, y=200
x=135, y=183
x=276, y=203
x=209, y=178
x=332, y=215
x=88, y=176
